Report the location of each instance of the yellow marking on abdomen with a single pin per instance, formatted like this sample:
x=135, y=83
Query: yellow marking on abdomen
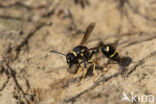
x=113, y=54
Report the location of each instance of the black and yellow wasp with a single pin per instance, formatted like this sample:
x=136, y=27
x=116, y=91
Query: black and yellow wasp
x=81, y=54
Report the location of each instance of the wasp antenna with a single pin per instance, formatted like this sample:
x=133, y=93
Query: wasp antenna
x=58, y=53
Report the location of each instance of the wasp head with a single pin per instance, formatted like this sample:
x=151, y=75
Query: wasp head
x=71, y=58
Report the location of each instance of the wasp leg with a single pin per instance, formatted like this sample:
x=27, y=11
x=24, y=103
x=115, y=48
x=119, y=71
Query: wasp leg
x=94, y=70
x=79, y=70
x=94, y=65
x=92, y=53
x=96, y=58
x=85, y=70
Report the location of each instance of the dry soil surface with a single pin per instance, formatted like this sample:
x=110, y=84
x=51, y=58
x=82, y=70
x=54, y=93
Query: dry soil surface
x=30, y=29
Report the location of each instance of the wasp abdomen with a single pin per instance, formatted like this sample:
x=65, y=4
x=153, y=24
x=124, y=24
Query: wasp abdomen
x=109, y=51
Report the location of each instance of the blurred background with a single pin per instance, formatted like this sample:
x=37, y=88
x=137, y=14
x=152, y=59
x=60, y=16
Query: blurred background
x=29, y=29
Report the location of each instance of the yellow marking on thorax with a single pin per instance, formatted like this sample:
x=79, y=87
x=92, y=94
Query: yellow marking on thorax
x=107, y=49
x=74, y=53
x=81, y=54
x=113, y=54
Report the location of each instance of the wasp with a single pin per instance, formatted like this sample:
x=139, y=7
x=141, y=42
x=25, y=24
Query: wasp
x=108, y=50
x=81, y=54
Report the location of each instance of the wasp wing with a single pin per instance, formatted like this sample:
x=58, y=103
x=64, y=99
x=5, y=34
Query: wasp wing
x=87, y=33
x=94, y=48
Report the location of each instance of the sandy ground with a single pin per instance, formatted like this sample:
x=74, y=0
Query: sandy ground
x=30, y=74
